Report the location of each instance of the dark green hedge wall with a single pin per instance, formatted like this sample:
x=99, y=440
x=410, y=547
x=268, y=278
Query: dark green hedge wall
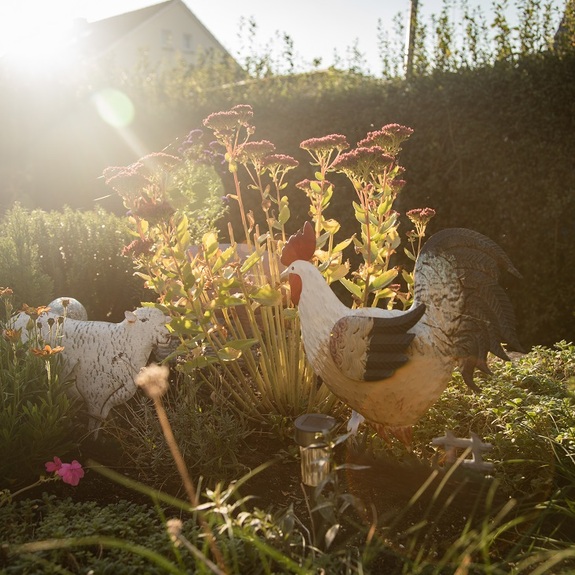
x=493, y=150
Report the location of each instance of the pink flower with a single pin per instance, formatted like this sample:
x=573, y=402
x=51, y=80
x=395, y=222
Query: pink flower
x=256, y=151
x=71, y=473
x=128, y=181
x=390, y=138
x=280, y=161
x=152, y=210
x=223, y=122
x=137, y=248
x=421, y=215
x=364, y=163
x=159, y=161
x=53, y=466
x=325, y=143
x=313, y=186
x=245, y=113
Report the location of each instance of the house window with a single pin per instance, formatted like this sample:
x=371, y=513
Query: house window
x=187, y=42
x=167, y=40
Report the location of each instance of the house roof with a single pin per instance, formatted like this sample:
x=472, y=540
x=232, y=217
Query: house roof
x=104, y=33
x=101, y=35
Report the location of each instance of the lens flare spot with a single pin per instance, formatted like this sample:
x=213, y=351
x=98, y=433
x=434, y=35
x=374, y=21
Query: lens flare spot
x=114, y=107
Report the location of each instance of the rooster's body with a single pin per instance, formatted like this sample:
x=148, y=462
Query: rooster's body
x=390, y=365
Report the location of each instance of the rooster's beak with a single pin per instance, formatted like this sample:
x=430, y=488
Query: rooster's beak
x=284, y=275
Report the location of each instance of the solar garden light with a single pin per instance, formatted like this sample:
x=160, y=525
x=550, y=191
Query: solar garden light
x=311, y=431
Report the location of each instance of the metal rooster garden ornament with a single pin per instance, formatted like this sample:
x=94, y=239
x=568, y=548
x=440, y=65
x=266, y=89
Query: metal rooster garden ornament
x=390, y=366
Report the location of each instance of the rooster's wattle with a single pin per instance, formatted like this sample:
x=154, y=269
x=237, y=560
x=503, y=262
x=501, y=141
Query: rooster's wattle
x=390, y=366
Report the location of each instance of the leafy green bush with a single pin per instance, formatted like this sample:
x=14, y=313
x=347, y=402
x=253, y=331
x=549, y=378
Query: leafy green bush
x=492, y=147
x=82, y=253
x=127, y=538
x=36, y=414
x=20, y=260
x=69, y=253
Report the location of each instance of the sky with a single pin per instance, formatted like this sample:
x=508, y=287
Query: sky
x=317, y=28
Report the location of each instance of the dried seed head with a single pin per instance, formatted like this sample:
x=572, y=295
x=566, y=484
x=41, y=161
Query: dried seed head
x=174, y=528
x=153, y=380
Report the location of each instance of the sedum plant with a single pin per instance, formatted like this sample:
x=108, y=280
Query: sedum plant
x=229, y=307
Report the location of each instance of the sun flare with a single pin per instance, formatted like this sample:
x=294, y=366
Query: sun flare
x=35, y=34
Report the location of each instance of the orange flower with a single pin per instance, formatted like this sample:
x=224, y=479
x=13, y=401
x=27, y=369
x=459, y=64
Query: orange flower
x=34, y=312
x=47, y=350
x=12, y=335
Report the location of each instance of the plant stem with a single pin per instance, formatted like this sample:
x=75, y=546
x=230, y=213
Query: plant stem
x=183, y=471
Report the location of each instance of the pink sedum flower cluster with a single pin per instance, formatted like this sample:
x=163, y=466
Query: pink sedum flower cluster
x=325, y=143
x=70, y=473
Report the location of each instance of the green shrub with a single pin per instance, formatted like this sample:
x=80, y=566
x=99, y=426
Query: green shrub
x=491, y=150
x=69, y=253
x=128, y=538
x=20, y=260
x=82, y=253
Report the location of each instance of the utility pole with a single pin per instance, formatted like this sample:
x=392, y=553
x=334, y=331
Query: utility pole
x=411, y=39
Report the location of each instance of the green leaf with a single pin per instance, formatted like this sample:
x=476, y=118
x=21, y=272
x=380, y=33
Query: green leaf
x=284, y=214
x=337, y=273
x=182, y=232
x=385, y=293
x=352, y=288
x=266, y=295
x=409, y=254
x=224, y=258
x=384, y=206
x=210, y=243
x=290, y=313
x=330, y=534
x=228, y=353
x=342, y=245
x=184, y=325
x=407, y=276
x=382, y=280
x=388, y=224
x=320, y=242
x=315, y=187
x=250, y=262
x=331, y=226
x=326, y=197
x=230, y=301
x=359, y=211
x=242, y=344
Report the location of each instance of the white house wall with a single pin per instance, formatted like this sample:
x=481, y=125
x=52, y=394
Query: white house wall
x=161, y=40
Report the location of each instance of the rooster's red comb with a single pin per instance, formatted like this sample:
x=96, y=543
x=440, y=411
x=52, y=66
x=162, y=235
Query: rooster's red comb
x=300, y=246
